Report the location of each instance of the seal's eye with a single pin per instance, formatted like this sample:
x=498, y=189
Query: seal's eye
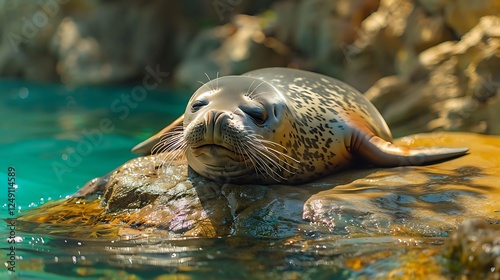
x=258, y=114
x=197, y=105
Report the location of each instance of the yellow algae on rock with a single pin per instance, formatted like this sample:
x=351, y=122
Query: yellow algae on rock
x=421, y=200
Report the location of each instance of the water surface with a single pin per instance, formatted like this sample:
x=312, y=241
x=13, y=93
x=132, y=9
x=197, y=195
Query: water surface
x=59, y=137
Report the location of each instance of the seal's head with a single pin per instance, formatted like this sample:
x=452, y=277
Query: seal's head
x=230, y=129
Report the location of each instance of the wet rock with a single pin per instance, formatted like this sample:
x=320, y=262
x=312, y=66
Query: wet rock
x=139, y=198
x=167, y=198
x=474, y=250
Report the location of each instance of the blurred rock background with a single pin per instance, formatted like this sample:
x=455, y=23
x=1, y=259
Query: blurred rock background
x=427, y=65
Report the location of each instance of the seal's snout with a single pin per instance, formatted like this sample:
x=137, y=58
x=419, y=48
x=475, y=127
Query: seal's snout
x=208, y=129
x=215, y=121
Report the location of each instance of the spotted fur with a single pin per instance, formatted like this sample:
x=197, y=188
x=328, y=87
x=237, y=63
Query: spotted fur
x=323, y=112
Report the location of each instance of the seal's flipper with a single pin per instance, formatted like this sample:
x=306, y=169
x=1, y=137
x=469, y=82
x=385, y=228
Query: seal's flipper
x=145, y=146
x=383, y=153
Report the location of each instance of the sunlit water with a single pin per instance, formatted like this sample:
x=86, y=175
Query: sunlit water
x=57, y=138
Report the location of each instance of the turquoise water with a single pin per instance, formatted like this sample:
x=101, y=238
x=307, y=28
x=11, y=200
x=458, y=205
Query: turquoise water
x=58, y=138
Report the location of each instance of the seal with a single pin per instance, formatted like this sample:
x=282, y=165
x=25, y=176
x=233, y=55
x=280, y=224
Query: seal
x=281, y=125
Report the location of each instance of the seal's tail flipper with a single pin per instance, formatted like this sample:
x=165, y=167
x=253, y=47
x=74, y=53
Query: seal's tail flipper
x=145, y=146
x=383, y=153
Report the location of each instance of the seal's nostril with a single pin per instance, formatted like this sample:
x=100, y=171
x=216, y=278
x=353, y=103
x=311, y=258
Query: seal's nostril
x=275, y=110
x=218, y=117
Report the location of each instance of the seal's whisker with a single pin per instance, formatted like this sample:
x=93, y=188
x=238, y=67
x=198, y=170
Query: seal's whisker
x=173, y=150
x=281, y=146
x=273, y=151
x=208, y=77
x=205, y=84
x=261, y=139
x=251, y=93
x=260, y=164
x=276, y=161
x=243, y=148
x=172, y=145
x=166, y=141
x=209, y=80
x=249, y=88
x=241, y=152
x=217, y=79
x=170, y=156
x=267, y=167
x=169, y=147
x=277, y=153
x=271, y=158
x=254, y=154
x=253, y=162
x=170, y=134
